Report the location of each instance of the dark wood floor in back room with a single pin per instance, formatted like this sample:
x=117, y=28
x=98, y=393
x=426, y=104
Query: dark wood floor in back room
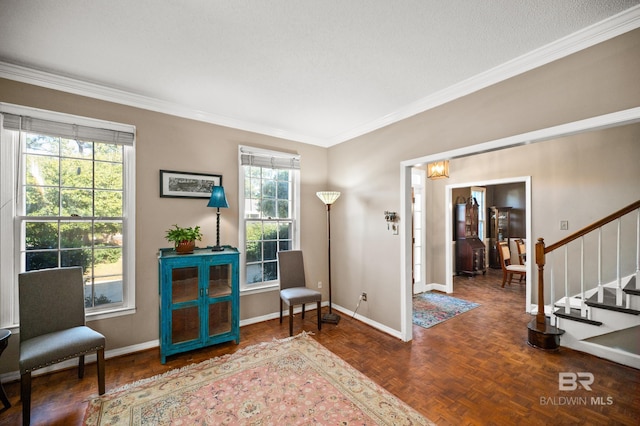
x=475, y=369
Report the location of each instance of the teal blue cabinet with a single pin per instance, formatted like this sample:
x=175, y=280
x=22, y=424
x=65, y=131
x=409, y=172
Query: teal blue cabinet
x=199, y=299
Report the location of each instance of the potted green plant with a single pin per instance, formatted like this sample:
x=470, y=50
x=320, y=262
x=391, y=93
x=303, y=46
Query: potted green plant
x=184, y=239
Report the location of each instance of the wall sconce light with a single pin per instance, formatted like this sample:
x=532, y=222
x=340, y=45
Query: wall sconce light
x=438, y=170
x=391, y=218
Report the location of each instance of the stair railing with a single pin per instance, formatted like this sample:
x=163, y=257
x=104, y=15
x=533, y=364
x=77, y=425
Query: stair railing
x=542, y=251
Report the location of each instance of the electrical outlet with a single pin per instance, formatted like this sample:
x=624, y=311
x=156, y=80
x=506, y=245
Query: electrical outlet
x=319, y=284
x=363, y=296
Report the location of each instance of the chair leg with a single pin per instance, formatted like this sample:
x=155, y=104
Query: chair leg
x=3, y=398
x=80, y=366
x=504, y=277
x=291, y=320
x=100, y=355
x=25, y=396
x=280, y=311
x=303, y=311
x=319, y=315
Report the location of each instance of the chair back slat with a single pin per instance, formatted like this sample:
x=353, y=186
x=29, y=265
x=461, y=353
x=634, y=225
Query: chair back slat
x=50, y=300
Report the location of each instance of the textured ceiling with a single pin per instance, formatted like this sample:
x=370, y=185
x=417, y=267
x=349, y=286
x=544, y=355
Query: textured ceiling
x=318, y=72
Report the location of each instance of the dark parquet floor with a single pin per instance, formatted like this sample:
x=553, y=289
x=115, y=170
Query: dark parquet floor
x=475, y=369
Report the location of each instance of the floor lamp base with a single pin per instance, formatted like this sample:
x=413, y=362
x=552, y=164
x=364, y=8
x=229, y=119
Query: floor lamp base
x=331, y=318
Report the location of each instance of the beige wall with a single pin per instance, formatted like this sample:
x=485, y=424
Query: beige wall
x=596, y=81
x=172, y=143
x=366, y=256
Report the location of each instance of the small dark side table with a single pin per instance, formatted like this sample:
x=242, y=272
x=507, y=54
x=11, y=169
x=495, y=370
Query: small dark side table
x=4, y=341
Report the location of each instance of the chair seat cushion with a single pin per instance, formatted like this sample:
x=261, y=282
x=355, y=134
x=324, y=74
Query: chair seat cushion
x=58, y=346
x=517, y=268
x=299, y=295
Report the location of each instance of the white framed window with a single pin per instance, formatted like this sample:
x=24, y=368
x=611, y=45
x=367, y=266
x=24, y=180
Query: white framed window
x=479, y=193
x=68, y=199
x=269, y=213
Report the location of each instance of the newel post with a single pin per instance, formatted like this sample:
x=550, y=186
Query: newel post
x=540, y=261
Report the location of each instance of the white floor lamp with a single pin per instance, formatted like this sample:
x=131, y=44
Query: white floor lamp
x=328, y=198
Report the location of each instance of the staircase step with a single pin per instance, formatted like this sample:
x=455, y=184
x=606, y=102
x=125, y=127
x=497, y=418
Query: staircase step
x=609, y=302
x=630, y=288
x=575, y=315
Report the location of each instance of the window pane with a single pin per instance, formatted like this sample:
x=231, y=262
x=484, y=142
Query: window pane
x=76, y=173
x=268, y=173
x=41, y=201
x=41, y=235
x=270, y=230
x=268, y=189
x=76, y=149
x=109, y=152
x=285, y=245
x=254, y=251
x=108, y=262
x=103, y=291
x=283, y=190
x=41, y=260
x=79, y=257
x=284, y=230
x=41, y=144
x=268, y=208
x=108, y=175
x=283, y=209
x=270, y=271
x=77, y=202
x=75, y=234
x=108, y=234
x=41, y=170
x=254, y=231
x=108, y=203
x=254, y=273
x=270, y=248
x=283, y=175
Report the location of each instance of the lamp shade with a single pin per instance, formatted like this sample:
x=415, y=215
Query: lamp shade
x=328, y=197
x=218, y=199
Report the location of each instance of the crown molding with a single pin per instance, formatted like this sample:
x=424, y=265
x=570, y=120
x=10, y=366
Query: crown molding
x=602, y=31
x=580, y=40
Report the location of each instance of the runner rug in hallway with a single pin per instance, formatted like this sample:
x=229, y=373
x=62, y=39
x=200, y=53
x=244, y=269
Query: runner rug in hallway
x=431, y=308
x=294, y=381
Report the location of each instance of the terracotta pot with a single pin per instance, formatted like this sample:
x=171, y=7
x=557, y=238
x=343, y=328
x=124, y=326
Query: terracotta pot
x=185, y=247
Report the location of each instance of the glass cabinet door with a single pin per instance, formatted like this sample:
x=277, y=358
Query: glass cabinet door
x=185, y=317
x=220, y=285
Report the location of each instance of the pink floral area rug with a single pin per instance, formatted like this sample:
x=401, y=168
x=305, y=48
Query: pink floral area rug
x=294, y=381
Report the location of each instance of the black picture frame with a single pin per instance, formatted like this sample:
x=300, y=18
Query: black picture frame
x=174, y=184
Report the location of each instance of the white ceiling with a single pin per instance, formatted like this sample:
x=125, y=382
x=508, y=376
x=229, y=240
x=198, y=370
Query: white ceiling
x=315, y=71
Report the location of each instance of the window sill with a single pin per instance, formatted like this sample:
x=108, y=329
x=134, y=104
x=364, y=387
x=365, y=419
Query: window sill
x=262, y=289
x=118, y=312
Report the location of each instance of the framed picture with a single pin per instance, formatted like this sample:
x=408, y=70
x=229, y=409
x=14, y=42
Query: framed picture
x=187, y=185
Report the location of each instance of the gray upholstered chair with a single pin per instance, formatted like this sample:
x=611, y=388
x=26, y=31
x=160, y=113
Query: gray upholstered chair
x=293, y=289
x=52, y=326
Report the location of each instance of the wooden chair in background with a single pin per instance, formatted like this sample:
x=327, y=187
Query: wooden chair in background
x=522, y=251
x=508, y=270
